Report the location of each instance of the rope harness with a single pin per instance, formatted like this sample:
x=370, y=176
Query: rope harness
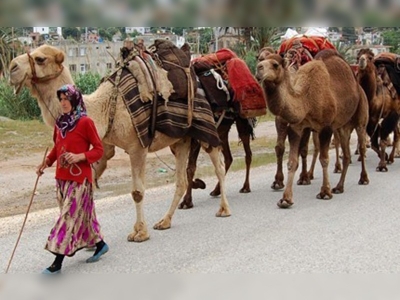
x=65, y=164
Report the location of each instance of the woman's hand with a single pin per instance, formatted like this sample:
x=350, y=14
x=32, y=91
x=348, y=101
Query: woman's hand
x=72, y=158
x=40, y=168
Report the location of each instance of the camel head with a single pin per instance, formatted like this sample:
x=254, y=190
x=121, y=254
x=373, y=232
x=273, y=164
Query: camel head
x=271, y=70
x=363, y=57
x=41, y=65
x=264, y=53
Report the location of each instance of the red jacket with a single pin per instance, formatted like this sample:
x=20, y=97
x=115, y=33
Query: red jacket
x=76, y=141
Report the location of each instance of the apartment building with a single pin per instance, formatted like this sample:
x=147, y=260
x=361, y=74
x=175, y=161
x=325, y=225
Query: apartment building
x=81, y=58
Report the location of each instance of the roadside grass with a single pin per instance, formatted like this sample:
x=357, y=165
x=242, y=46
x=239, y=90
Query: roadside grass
x=22, y=138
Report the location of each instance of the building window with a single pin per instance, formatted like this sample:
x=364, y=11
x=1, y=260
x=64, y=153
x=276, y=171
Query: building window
x=73, y=52
x=72, y=68
x=82, y=51
x=84, y=68
x=109, y=66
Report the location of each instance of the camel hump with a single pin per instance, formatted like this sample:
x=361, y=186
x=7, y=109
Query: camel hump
x=327, y=53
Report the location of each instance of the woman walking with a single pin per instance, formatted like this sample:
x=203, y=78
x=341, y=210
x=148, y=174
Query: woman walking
x=76, y=146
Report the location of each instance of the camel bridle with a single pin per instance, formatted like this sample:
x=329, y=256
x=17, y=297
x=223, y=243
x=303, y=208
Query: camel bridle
x=35, y=79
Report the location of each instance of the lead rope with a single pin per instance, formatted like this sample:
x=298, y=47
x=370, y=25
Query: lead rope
x=26, y=215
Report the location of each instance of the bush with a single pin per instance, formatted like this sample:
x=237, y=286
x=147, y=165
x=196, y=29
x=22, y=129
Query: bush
x=87, y=82
x=251, y=60
x=17, y=107
x=25, y=107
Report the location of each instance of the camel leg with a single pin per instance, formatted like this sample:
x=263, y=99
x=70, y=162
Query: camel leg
x=245, y=130
x=304, y=178
x=373, y=131
x=324, y=139
x=336, y=141
x=315, y=155
x=362, y=143
x=187, y=201
x=181, y=150
x=292, y=165
x=138, y=169
x=397, y=141
x=224, y=210
x=389, y=125
x=342, y=136
x=282, y=131
x=223, y=133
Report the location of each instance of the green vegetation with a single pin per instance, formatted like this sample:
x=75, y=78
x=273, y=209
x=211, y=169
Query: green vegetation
x=24, y=107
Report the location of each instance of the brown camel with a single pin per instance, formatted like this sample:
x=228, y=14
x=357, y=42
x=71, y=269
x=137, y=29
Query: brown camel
x=42, y=73
x=323, y=96
x=384, y=107
x=282, y=127
x=245, y=131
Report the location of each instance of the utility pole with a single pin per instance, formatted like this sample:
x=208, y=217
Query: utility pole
x=216, y=34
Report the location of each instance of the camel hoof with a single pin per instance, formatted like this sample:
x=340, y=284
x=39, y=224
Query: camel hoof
x=277, y=185
x=198, y=184
x=324, y=196
x=137, y=238
x=337, y=170
x=215, y=193
x=223, y=213
x=245, y=190
x=303, y=181
x=337, y=190
x=284, y=203
x=162, y=225
x=185, y=205
x=363, y=181
x=381, y=169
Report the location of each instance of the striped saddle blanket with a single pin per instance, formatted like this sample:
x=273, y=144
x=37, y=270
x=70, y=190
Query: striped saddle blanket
x=172, y=115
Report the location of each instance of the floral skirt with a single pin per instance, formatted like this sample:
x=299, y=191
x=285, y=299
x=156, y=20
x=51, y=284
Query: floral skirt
x=77, y=226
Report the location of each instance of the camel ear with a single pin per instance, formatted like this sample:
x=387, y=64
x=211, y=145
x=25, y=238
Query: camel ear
x=59, y=58
x=285, y=63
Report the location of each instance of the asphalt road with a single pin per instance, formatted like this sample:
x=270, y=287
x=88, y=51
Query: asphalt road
x=356, y=232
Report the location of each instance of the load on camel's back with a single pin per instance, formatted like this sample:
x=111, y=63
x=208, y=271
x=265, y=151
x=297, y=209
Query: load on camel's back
x=232, y=75
x=302, y=49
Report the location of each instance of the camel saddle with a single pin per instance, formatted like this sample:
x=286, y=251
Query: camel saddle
x=229, y=84
x=175, y=117
x=302, y=49
x=177, y=63
x=390, y=78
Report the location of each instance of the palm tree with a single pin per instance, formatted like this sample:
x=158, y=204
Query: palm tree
x=257, y=37
x=8, y=48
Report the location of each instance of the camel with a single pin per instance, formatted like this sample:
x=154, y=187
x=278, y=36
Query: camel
x=322, y=96
x=384, y=107
x=42, y=72
x=282, y=126
x=246, y=132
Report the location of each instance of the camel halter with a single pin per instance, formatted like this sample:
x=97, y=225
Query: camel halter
x=35, y=79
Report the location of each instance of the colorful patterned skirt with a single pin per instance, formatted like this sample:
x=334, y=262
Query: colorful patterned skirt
x=77, y=226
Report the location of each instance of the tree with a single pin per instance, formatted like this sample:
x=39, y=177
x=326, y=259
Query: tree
x=349, y=34
x=71, y=33
x=392, y=38
x=9, y=48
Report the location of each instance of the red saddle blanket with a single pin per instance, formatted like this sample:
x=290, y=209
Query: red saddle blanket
x=313, y=44
x=247, y=92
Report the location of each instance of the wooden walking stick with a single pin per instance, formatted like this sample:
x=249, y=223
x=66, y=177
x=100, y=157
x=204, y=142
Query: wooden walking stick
x=27, y=212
